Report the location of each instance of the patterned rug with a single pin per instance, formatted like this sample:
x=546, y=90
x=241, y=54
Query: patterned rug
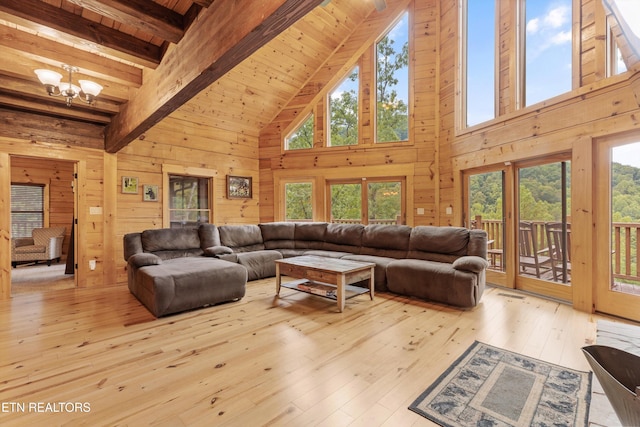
x=488, y=386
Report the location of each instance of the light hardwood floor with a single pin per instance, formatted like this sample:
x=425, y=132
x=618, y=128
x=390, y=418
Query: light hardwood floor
x=261, y=361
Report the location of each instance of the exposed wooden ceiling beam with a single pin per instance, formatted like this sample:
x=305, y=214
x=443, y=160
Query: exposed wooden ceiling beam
x=224, y=34
x=204, y=3
x=54, y=54
x=83, y=33
x=36, y=127
x=146, y=15
x=26, y=104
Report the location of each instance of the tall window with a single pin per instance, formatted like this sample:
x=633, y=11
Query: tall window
x=27, y=209
x=343, y=112
x=188, y=201
x=392, y=83
x=480, y=54
x=547, y=49
x=302, y=137
x=298, y=201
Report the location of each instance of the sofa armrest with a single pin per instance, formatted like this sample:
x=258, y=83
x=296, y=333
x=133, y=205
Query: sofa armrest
x=217, y=250
x=54, y=249
x=472, y=263
x=144, y=259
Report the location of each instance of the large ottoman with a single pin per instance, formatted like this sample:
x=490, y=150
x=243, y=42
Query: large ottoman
x=185, y=283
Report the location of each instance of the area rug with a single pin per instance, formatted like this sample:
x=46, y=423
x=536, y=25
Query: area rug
x=489, y=386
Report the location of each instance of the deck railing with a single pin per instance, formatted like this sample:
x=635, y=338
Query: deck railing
x=625, y=239
x=371, y=221
x=625, y=256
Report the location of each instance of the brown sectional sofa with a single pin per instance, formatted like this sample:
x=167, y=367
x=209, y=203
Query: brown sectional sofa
x=441, y=264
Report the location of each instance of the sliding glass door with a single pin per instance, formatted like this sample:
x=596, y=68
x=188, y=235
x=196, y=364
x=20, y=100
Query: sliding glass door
x=544, y=228
x=618, y=227
x=484, y=209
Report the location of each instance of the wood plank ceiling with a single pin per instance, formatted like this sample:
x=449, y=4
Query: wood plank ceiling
x=153, y=56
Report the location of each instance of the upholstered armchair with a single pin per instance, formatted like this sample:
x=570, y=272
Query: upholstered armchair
x=45, y=244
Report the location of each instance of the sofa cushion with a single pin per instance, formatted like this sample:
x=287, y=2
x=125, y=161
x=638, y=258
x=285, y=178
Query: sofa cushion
x=386, y=240
x=259, y=264
x=170, y=239
x=443, y=244
x=184, y=253
x=380, y=271
x=327, y=254
x=278, y=235
x=209, y=235
x=142, y=259
x=30, y=249
x=343, y=237
x=241, y=238
x=310, y=235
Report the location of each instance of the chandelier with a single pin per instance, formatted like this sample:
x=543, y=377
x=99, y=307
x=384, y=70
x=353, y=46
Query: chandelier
x=87, y=92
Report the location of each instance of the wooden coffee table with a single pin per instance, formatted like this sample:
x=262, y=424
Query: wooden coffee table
x=328, y=277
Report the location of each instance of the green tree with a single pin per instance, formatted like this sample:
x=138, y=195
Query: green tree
x=303, y=136
x=345, y=201
x=384, y=200
x=298, y=201
x=392, y=112
x=344, y=115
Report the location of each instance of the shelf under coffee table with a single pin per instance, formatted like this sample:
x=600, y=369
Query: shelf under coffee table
x=316, y=272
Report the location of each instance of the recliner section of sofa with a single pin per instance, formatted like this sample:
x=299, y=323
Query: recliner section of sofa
x=168, y=273
x=440, y=264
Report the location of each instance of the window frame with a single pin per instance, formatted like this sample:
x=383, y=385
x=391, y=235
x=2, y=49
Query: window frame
x=173, y=170
x=284, y=199
x=364, y=195
x=521, y=67
x=463, y=59
x=328, y=104
x=410, y=80
x=310, y=115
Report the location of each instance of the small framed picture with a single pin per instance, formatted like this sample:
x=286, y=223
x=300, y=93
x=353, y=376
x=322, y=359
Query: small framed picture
x=239, y=187
x=150, y=193
x=130, y=185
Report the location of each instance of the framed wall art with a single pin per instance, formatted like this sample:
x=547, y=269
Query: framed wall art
x=129, y=185
x=150, y=193
x=239, y=187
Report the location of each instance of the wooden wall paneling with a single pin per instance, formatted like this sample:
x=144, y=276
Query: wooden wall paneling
x=583, y=218
x=5, y=226
x=601, y=39
x=112, y=251
x=507, y=57
x=367, y=98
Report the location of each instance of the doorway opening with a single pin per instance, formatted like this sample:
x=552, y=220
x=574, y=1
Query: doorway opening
x=43, y=212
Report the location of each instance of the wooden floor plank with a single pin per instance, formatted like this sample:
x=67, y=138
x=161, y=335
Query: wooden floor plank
x=292, y=360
